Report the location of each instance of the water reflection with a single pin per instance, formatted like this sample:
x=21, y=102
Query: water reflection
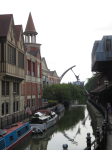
x=71, y=129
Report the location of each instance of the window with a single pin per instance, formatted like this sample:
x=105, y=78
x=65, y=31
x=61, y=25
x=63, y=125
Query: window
x=16, y=88
x=11, y=55
x=21, y=60
x=27, y=128
x=108, y=44
x=29, y=103
x=5, y=88
x=33, y=88
x=38, y=88
x=19, y=133
x=14, y=106
x=33, y=102
x=28, y=88
x=2, y=52
x=33, y=69
x=28, y=67
x=11, y=138
x=39, y=71
x=5, y=108
x=17, y=106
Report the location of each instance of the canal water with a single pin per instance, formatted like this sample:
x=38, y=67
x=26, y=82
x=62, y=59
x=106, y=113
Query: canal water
x=71, y=129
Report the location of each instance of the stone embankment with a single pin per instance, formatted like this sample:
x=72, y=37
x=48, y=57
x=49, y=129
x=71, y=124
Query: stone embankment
x=98, y=119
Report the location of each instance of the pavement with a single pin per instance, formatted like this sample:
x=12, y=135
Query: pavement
x=109, y=136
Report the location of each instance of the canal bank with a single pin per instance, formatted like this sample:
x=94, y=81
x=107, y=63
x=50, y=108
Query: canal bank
x=96, y=117
x=97, y=120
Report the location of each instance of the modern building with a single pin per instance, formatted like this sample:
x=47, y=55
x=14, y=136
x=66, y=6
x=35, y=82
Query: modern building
x=33, y=68
x=12, y=66
x=102, y=65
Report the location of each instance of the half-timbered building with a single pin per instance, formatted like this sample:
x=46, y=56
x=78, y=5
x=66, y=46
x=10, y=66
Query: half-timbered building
x=12, y=66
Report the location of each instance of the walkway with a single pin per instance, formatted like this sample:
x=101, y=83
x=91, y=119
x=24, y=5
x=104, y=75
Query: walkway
x=99, y=120
x=109, y=136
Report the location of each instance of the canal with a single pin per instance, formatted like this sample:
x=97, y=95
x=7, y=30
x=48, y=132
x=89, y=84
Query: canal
x=71, y=129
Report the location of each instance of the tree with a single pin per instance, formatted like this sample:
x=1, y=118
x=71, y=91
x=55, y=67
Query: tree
x=62, y=92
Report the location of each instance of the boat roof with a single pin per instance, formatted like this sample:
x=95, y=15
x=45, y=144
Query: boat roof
x=44, y=111
x=38, y=113
x=11, y=128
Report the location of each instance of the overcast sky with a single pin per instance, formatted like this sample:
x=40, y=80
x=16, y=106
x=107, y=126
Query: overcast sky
x=66, y=29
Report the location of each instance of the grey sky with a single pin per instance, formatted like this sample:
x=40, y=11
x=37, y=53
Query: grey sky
x=66, y=29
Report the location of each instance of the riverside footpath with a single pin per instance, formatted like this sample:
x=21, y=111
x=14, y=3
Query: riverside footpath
x=97, y=120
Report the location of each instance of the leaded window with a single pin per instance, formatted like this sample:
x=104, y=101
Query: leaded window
x=21, y=60
x=5, y=108
x=3, y=87
x=16, y=88
x=11, y=55
x=7, y=88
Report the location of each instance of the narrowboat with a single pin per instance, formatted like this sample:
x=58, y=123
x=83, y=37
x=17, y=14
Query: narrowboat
x=43, y=120
x=13, y=135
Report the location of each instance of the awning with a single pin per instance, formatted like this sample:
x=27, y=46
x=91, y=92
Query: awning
x=101, y=88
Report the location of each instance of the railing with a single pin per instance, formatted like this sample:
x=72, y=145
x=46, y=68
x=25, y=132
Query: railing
x=101, y=137
x=17, y=117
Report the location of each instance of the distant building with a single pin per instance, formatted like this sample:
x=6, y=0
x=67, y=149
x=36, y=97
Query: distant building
x=49, y=77
x=78, y=83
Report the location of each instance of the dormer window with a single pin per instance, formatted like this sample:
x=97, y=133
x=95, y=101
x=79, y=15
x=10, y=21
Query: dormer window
x=108, y=45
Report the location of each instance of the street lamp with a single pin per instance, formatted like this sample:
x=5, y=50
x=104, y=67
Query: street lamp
x=106, y=82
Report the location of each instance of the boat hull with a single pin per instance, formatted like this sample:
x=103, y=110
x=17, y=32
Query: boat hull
x=15, y=145
x=46, y=125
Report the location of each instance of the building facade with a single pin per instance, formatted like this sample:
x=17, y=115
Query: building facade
x=49, y=77
x=33, y=68
x=12, y=66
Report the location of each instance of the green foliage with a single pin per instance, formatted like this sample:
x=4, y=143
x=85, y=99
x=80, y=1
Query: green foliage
x=62, y=92
x=52, y=101
x=92, y=83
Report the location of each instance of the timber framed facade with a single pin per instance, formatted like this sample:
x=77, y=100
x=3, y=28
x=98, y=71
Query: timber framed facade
x=11, y=72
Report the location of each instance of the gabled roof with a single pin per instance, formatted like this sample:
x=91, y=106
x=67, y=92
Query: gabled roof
x=44, y=61
x=18, y=29
x=30, y=25
x=34, y=53
x=53, y=73
x=4, y=24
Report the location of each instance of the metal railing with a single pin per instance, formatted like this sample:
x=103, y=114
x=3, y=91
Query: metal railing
x=20, y=116
x=101, y=137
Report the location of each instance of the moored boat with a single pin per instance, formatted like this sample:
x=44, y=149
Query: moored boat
x=12, y=135
x=44, y=120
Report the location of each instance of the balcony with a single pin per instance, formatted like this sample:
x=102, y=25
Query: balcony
x=101, y=55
